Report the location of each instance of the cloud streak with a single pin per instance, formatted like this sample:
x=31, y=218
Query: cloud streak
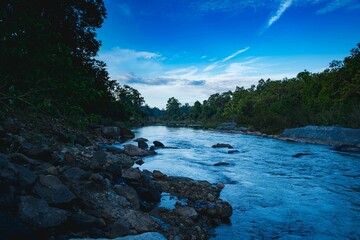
x=285, y=5
x=218, y=64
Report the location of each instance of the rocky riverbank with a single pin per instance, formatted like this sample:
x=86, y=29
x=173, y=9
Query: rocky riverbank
x=57, y=182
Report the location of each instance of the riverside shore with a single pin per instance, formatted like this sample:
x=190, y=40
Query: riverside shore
x=58, y=182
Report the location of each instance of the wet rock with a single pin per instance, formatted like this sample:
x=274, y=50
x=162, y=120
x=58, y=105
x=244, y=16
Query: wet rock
x=139, y=162
x=143, y=145
x=14, y=173
x=100, y=157
x=158, y=174
x=158, y=144
x=132, y=150
x=51, y=189
x=111, y=132
x=114, y=168
x=52, y=170
x=220, y=185
x=130, y=194
x=221, y=164
x=301, y=154
x=233, y=151
x=139, y=221
x=82, y=140
x=22, y=159
x=119, y=228
x=132, y=173
x=124, y=160
x=347, y=148
x=75, y=174
x=37, y=213
x=126, y=134
x=36, y=152
x=222, y=145
x=100, y=197
x=150, y=192
x=7, y=196
x=114, y=150
x=82, y=221
x=187, y=212
x=141, y=140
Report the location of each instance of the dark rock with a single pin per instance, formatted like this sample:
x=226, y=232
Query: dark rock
x=187, y=212
x=82, y=221
x=141, y=140
x=139, y=162
x=347, y=148
x=114, y=150
x=132, y=150
x=75, y=174
x=125, y=161
x=15, y=174
x=22, y=159
x=222, y=164
x=301, y=154
x=230, y=126
x=119, y=228
x=131, y=173
x=104, y=201
x=158, y=174
x=39, y=153
x=53, y=190
x=149, y=192
x=111, y=132
x=114, y=168
x=139, y=221
x=12, y=228
x=7, y=196
x=69, y=158
x=222, y=145
x=233, y=151
x=100, y=157
x=126, y=134
x=143, y=145
x=37, y=213
x=130, y=194
x=158, y=144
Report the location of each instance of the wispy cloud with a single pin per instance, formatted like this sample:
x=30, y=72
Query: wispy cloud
x=235, y=54
x=218, y=64
x=337, y=4
x=282, y=8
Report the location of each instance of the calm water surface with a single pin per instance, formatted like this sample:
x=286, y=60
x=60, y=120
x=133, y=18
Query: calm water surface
x=274, y=195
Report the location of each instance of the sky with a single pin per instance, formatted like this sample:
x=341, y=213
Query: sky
x=190, y=49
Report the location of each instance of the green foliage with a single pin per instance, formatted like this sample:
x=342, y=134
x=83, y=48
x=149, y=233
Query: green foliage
x=331, y=97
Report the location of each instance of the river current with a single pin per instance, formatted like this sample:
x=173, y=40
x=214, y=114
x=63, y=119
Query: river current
x=274, y=195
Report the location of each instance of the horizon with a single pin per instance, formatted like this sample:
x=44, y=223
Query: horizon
x=167, y=48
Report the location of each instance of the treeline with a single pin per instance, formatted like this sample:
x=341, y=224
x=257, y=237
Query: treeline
x=331, y=97
x=48, y=64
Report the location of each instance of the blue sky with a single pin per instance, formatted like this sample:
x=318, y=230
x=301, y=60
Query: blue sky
x=190, y=49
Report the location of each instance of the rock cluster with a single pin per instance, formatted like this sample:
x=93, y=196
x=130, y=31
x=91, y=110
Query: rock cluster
x=55, y=187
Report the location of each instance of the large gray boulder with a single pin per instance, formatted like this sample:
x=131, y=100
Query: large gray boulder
x=51, y=189
x=133, y=151
x=37, y=213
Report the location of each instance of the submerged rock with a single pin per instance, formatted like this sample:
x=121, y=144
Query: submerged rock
x=158, y=144
x=221, y=164
x=347, y=148
x=222, y=145
x=301, y=154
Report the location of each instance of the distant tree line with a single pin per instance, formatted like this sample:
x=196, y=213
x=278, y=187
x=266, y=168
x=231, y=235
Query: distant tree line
x=47, y=61
x=331, y=97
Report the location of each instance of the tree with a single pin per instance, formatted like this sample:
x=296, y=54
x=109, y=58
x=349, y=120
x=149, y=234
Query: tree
x=173, y=108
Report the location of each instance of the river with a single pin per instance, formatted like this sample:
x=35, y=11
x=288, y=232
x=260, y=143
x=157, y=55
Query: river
x=274, y=195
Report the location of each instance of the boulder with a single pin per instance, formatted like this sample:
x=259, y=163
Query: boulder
x=82, y=221
x=130, y=194
x=75, y=174
x=141, y=140
x=158, y=174
x=222, y=145
x=126, y=134
x=187, y=212
x=124, y=160
x=139, y=221
x=132, y=150
x=37, y=213
x=143, y=145
x=132, y=173
x=158, y=144
x=51, y=189
x=14, y=173
x=111, y=132
x=114, y=150
x=139, y=162
x=119, y=228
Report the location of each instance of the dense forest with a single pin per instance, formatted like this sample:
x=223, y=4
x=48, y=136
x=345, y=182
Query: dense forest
x=48, y=65
x=331, y=97
x=48, y=62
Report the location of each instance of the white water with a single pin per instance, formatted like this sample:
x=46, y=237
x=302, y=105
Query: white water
x=274, y=195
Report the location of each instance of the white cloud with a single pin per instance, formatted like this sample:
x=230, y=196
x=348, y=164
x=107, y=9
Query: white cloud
x=285, y=5
x=235, y=54
x=335, y=5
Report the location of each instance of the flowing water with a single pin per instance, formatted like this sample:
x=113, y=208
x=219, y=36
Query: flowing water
x=274, y=195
